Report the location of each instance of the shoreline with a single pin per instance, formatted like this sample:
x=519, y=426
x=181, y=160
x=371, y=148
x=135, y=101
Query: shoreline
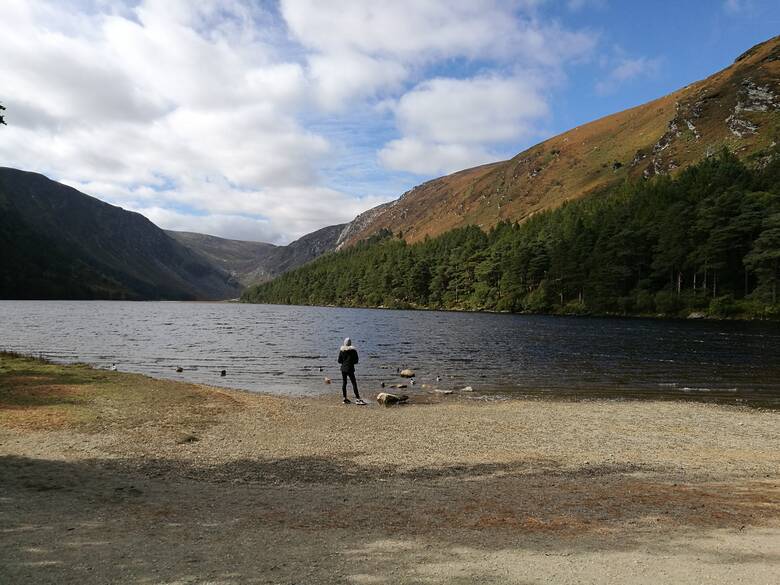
x=426, y=396
x=700, y=316
x=239, y=301
x=114, y=477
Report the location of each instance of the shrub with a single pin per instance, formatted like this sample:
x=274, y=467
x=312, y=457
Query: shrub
x=645, y=302
x=625, y=304
x=667, y=302
x=537, y=301
x=723, y=306
x=575, y=308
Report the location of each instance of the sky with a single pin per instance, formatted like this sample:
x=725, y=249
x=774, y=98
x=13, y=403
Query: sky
x=265, y=120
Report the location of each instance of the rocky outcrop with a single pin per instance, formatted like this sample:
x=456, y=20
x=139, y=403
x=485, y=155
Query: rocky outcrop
x=752, y=98
x=360, y=223
x=302, y=250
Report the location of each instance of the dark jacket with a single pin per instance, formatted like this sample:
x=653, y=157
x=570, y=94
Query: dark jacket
x=348, y=357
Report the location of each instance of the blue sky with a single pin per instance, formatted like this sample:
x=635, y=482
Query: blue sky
x=267, y=120
x=689, y=40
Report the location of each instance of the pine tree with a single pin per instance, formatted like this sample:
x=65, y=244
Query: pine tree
x=764, y=257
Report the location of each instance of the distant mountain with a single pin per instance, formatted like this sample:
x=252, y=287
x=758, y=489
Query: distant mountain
x=246, y=262
x=254, y=262
x=59, y=243
x=737, y=108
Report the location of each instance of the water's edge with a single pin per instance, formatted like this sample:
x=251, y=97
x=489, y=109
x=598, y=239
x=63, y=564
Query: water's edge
x=291, y=350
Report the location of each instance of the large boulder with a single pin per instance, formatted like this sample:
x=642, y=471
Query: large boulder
x=387, y=399
x=407, y=373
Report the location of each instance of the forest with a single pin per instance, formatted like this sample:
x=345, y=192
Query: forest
x=704, y=243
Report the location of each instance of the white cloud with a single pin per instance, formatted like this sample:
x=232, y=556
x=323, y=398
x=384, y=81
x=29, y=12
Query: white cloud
x=360, y=48
x=340, y=77
x=737, y=6
x=229, y=226
x=406, y=29
x=577, y=5
x=204, y=113
x=159, y=98
x=373, y=49
x=276, y=215
x=426, y=158
x=626, y=69
x=479, y=110
x=449, y=124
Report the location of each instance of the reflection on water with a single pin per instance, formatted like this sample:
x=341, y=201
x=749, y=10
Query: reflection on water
x=291, y=350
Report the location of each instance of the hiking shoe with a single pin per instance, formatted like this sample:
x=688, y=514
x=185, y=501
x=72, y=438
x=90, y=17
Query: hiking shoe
x=360, y=402
x=347, y=401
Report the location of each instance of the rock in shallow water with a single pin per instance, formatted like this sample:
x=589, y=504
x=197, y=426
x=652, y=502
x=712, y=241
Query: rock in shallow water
x=387, y=399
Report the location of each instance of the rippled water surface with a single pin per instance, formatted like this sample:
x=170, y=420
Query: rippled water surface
x=290, y=350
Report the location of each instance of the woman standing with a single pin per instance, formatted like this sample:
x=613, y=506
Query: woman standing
x=348, y=357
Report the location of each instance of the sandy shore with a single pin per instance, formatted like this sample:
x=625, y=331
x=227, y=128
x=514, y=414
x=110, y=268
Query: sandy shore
x=108, y=477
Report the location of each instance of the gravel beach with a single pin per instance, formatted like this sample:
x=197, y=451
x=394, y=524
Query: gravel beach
x=108, y=477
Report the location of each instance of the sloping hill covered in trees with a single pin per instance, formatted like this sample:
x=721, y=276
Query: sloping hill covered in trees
x=706, y=241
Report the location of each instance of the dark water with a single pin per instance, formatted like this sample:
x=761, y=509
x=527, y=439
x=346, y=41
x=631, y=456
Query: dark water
x=281, y=349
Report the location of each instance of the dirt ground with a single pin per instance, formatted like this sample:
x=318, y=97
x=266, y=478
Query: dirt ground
x=108, y=477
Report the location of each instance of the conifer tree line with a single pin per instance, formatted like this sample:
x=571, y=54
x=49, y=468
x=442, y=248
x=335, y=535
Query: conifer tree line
x=706, y=241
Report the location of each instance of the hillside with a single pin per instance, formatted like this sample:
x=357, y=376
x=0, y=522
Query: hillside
x=737, y=108
x=705, y=242
x=60, y=243
x=255, y=262
x=247, y=262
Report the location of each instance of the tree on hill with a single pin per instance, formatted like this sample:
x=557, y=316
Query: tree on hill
x=2, y=118
x=764, y=258
x=706, y=240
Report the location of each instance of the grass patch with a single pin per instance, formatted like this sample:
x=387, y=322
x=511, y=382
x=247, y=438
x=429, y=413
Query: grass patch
x=35, y=393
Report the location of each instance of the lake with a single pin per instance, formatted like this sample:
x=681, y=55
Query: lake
x=291, y=350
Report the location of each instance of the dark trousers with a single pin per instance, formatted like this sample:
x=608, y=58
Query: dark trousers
x=351, y=376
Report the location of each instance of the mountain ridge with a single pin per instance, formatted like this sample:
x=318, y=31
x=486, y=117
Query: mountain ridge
x=255, y=262
x=736, y=107
x=61, y=243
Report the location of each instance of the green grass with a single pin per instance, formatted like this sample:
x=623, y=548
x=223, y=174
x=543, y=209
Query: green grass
x=37, y=392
